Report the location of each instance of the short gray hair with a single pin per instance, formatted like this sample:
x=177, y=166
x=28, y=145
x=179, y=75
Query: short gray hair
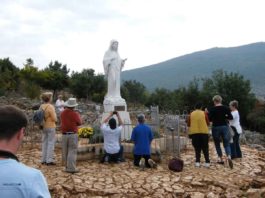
x=234, y=103
x=141, y=118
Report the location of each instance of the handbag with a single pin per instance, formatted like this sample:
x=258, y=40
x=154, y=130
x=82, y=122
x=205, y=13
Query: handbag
x=176, y=164
x=231, y=133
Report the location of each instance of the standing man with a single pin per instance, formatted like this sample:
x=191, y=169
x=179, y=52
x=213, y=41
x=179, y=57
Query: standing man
x=16, y=179
x=219, y=115
x=59, y=104
x=142, y=137
x=112, y=137
x=70, y=120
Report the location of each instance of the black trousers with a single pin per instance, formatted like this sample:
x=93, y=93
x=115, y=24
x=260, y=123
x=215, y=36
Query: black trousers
x=200, y=143
x=137, y=159
x=113, y=157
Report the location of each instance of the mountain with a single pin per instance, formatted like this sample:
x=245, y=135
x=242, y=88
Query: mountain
x=248, y=60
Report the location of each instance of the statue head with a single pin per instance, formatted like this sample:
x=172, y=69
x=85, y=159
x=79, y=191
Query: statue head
x=114, y=45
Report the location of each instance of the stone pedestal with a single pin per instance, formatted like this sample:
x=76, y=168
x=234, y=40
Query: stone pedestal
x=118, y=104
x=114, y=104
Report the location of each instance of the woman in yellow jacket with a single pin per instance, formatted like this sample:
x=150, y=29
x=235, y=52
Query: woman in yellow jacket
x=198, y=123
x=49, y=129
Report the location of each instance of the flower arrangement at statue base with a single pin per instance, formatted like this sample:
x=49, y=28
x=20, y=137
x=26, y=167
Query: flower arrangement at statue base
x=84, y=133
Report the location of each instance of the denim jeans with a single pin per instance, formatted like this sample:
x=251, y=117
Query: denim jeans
x=48, y=142
x=113, y=157
x=235, y=147
x=221, y=133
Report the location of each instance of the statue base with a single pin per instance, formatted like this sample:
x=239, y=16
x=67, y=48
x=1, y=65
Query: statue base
x=119, y=104
x=114, y=104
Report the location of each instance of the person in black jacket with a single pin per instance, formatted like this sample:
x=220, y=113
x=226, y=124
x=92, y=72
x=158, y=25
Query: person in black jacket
x=219, y=116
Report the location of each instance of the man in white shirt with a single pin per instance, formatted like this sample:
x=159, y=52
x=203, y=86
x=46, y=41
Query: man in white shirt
x=59, y=104
x=112, y=134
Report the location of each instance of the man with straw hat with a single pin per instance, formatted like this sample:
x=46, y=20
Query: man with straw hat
x=70, y=120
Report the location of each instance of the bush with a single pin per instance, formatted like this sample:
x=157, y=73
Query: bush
x=97, y=137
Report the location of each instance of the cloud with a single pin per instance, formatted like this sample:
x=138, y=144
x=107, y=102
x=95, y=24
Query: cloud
x=77, y=33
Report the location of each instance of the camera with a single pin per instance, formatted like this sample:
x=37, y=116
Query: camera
x=115, y=112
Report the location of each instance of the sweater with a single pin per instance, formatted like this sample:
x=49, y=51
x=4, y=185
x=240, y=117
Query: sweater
x=198, y=122
x=70, y=120
x=50, y=117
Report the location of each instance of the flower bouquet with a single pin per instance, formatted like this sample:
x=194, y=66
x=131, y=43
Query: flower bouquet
x=84, y=133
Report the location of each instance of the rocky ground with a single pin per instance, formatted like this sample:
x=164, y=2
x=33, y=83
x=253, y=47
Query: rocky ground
x=247, y=179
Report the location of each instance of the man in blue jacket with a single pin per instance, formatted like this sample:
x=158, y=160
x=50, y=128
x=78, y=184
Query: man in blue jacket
x=142, y=137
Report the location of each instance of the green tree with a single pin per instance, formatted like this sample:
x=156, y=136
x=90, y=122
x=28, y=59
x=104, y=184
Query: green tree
x=134, y=92
x=99, y=87
x=163, y=98
x=55, y=77
x=256, y=118
x=30, y=77
x=231, y=86
x=9, y=77
x=81, y=83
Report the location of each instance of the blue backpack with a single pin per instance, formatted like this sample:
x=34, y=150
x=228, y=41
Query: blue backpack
x=39, y=116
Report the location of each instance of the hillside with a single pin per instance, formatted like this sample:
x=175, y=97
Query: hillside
x=248, y=60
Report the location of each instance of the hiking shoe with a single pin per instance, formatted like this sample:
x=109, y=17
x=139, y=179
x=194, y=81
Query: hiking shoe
x=50, y=164
x=230, y=163
x=72, y=171
x=197, y=164
x=152, y=163
x=206, y=165
x=220, y=162
x=142, y=163
x=121, y=160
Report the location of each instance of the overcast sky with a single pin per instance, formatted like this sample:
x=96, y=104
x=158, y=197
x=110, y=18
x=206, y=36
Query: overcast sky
x=78, y=32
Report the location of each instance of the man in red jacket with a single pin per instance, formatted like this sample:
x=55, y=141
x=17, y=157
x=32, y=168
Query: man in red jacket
x=70, y=120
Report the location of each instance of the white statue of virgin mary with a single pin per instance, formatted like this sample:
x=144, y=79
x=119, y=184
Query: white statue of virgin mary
x=113, y=65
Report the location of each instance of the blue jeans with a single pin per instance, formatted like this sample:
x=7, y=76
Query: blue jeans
x=221, y=133
x=235, y=147
x=113, y=157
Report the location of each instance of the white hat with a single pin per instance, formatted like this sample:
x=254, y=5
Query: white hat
x=71, y=102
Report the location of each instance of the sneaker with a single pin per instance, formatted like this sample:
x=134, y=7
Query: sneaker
x=50, y=164
x=152, y=163
x=220, y=162
x=121, y=160
x=206, y=165
x=72, y=171
x=142, y=163
x=197, y=164
x=230, y=163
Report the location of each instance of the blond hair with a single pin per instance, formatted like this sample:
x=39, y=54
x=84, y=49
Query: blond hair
x=217, y=99
x=46, y=96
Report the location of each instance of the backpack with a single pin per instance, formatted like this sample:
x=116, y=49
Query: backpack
x=176, y=164
x=39, y=116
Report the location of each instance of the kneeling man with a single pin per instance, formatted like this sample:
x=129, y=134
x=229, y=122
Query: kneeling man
x=112, y=137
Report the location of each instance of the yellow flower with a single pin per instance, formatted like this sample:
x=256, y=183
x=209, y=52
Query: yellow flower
x=85, y=132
